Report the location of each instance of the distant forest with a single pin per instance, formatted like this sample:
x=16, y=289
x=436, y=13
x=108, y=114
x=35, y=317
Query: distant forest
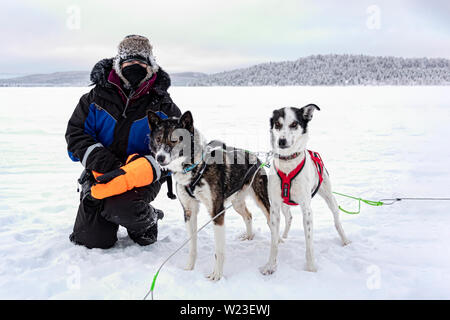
x=336, y=70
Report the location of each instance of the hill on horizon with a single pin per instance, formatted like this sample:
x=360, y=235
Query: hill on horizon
x=336, y=70
x=80, y=79
x=315, y=70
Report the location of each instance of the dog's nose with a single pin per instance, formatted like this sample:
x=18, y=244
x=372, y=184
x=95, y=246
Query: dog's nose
x=282, y=143
x=160, y=158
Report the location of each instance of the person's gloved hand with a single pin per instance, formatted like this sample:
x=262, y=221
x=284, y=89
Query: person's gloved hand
x=138, y=171
x=86, y=181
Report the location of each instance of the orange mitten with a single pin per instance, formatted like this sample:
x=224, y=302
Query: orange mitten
x=137, y=172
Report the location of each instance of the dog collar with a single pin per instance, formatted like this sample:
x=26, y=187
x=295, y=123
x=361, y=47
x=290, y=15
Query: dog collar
x=192, y=166
x=289, y=157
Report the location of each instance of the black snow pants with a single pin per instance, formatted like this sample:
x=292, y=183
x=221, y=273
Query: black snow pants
x=97, y=221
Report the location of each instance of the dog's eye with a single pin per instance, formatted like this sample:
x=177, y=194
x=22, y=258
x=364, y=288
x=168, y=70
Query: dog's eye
x=294, y=125
x=277, y=125
x=158, y=139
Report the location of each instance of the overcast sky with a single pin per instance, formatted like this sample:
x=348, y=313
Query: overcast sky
x=211, y=36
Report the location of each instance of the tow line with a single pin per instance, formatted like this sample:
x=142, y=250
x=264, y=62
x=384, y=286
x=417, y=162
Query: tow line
x=382, y=202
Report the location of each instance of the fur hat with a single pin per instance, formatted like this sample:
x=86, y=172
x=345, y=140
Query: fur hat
x=135, y=47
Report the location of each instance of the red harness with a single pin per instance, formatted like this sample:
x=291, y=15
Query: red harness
x=287, y=179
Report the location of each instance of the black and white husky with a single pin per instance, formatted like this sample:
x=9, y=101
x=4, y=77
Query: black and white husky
x=289, y=135
x=207, y=173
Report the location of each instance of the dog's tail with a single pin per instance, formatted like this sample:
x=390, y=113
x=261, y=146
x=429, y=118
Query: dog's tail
x=261, y=192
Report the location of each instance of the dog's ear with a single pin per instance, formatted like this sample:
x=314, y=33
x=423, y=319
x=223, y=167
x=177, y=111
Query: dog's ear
x=153, y=119
x=187, y=122
x=271, y=120
x=275, y=116
x=307, y=111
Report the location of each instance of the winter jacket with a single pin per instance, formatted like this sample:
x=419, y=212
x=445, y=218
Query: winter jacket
x=106, y=126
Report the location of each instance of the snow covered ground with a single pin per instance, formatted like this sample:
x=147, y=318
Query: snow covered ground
x=377, y=142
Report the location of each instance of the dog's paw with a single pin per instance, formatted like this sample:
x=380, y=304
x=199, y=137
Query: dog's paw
x=285, y=235
x=190, y=265
x=214, y=276
x=311, y=267
x=346, y=242
x=246, y=236
x=280, y=240
x=267, y=269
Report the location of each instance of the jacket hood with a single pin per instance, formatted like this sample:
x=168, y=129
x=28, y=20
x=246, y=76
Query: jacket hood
x=101, y=70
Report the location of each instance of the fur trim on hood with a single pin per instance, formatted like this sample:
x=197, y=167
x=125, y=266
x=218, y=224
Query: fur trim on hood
x=135, y=47
x=101, y=70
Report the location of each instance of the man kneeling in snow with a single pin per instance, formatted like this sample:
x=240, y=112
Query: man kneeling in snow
x=108, y=132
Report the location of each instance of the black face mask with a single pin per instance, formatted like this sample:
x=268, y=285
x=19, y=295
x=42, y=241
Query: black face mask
x=134, y=74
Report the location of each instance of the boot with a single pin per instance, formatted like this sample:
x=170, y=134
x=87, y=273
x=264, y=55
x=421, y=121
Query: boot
x=150, y=235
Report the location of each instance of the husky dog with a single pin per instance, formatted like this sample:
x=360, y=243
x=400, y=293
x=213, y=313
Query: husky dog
x=208, y=177
x=301, y=174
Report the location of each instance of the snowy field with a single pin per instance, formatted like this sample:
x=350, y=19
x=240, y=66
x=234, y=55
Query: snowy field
x=377, y=142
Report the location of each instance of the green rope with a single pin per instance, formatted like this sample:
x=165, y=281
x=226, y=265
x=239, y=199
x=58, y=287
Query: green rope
x=369, y=202
x=153, y=285
x=264, y=164
x=154, y=281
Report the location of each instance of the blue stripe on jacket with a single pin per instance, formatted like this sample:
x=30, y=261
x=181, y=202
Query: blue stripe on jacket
x=139, y=137
x=100, y=125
